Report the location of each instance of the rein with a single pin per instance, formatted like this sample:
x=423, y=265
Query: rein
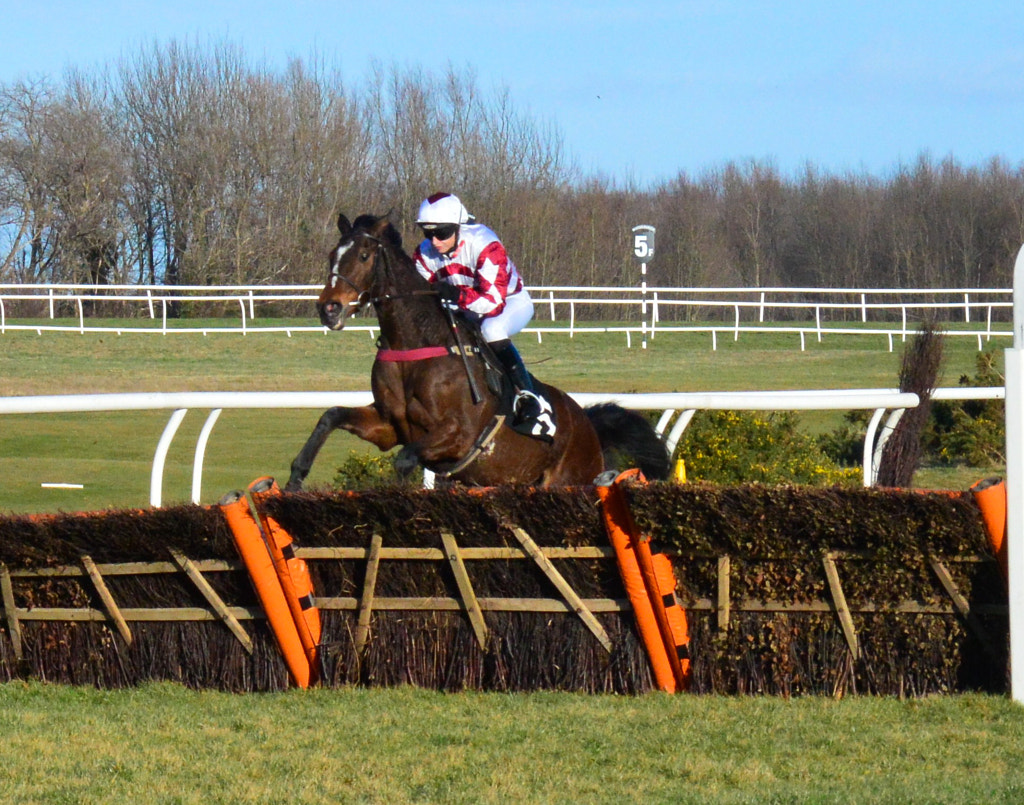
x=422, y=353
x=363, y=295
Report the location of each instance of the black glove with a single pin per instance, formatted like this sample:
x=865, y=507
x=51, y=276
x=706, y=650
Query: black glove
x=448, y=293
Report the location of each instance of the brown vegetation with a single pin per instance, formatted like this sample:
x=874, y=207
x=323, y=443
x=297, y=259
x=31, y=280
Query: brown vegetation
x=189, y=165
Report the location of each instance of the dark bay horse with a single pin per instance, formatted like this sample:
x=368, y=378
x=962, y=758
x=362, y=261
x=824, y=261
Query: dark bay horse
x=434, y=393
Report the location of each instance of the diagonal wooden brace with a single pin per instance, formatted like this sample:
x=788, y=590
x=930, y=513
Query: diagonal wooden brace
x=369, y=588
x=568, y=593
x=113, y=611
x=963, y=608
x=469, y=600
x=839, y=600
x=223, y=612
x=11, y=611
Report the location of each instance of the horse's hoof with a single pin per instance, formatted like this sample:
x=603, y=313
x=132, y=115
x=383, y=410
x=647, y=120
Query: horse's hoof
x=293, y=486
x=406, y=461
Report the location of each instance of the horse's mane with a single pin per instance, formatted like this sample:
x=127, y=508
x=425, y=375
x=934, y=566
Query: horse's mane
x=390, y=235
x=427, y=317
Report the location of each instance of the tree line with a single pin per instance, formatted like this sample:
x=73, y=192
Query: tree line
x=190, y=164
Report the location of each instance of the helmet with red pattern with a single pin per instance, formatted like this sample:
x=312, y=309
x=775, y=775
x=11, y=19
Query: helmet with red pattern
x=442, y=208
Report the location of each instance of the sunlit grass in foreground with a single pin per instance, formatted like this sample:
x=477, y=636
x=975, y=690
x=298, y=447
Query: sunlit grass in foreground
x=162, y=743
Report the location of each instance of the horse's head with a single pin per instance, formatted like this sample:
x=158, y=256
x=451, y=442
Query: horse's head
x=352, y=275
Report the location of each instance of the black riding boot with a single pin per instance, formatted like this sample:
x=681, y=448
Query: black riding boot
x=507, y=353
x=527, y=405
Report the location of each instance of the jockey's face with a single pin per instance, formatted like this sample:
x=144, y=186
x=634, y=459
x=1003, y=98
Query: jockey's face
x=445, y=246
x=442, y=236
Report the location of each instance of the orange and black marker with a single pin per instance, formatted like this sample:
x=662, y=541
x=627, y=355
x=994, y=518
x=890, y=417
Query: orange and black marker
x=667, y=645
x=258, y=562
x=293, y=573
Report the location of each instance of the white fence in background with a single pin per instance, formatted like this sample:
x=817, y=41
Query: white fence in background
x=678, y=409
x=980, y=313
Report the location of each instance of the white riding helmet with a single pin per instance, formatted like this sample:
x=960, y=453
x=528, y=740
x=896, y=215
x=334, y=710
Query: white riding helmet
x=443, y=208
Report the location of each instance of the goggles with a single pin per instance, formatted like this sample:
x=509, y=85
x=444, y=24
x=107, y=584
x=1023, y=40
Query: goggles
x=439, y=231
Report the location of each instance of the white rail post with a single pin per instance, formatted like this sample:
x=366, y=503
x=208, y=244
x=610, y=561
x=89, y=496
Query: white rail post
x=1015, y=482
x=197, y=462
x=156, y=478
x=867, y=463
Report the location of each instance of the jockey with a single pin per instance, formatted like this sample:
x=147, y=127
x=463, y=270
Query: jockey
x=472, y=272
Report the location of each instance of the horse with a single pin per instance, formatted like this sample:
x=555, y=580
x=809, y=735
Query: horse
x=437, y=395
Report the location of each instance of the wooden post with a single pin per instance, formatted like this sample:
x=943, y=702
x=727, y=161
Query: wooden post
x=723, y=594
x=568, y=593
x=839, y=599
x=369, y=587
x=113, y=612
x=476, y=615
x=223, y=612
x=11, y=611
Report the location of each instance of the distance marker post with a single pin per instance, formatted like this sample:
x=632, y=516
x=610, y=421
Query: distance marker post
x=643, y=251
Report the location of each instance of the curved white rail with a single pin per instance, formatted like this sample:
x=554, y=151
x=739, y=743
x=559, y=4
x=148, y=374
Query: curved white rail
x=675, y=406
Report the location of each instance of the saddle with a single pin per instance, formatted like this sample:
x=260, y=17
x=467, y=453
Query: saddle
x=500, y=384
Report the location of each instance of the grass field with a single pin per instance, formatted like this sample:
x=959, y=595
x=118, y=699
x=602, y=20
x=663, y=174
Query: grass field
x=165, y=744
x=110, y=455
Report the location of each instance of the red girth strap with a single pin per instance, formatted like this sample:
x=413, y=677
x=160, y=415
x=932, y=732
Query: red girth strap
x=421, y=354
x=399, y=355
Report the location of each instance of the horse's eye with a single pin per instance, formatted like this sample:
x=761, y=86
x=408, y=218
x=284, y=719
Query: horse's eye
x=364, y=256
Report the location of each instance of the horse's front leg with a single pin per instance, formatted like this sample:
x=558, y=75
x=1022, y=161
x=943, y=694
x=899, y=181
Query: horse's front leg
x=365, y=422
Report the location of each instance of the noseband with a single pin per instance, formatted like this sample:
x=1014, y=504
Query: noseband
x=362, y=295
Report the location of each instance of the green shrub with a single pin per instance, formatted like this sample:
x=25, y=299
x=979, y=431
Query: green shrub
x=731, y=447
x=845, y=444
x=971, y=432
x=362, y=471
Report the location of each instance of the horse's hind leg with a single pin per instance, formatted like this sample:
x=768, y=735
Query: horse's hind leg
x=303, y=463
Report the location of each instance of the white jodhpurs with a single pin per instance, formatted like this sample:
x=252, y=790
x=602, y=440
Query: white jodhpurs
x=516, y=315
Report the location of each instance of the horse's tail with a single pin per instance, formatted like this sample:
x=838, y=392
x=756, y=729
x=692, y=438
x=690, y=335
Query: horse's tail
x=628, y=440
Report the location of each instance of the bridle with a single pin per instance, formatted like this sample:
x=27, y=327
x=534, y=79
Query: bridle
x=363, y=296
x=334, y=275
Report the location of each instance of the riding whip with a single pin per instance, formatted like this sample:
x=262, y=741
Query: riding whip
x=473, y=390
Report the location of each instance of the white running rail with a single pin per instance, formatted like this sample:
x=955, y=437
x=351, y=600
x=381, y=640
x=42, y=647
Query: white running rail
x=678, y=409
x=748, y=309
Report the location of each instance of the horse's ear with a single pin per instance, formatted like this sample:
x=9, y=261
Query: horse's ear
x=344, y=227
x=385, y=231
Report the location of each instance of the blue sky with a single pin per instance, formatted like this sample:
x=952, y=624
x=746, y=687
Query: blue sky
x=639, y=90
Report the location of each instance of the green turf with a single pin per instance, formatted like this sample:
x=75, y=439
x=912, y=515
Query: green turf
x=164, y=744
